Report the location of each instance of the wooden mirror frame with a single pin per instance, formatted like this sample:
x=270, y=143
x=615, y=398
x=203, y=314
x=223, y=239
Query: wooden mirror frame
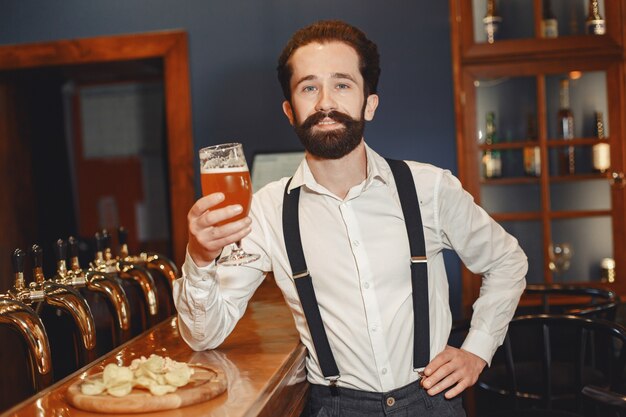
x=171, y=47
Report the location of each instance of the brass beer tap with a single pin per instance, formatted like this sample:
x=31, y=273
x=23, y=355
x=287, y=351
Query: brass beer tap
x=68, y=299
x=105, y=262
x=152, y=260
x=22, y=318
x=98, y=282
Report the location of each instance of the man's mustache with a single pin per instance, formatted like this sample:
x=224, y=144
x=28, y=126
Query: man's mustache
x=334, y=115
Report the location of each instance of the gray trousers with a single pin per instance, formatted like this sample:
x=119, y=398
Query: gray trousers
x=408, y=401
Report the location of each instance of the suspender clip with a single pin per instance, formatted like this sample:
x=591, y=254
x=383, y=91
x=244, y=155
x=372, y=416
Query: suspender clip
x=301, y=274
x=332, y=379
x=418, y=259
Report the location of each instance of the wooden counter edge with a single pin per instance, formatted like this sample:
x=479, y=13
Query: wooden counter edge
x=287, y=392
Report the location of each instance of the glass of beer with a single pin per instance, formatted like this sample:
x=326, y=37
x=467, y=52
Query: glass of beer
x=223, y=169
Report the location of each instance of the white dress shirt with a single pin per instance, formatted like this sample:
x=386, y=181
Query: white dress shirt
x=357, y=252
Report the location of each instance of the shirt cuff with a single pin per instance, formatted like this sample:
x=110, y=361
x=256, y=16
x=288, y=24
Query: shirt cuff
x=480, y=344
x=204, y=277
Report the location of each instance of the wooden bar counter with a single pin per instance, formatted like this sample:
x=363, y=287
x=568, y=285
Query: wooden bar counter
x=263, y=361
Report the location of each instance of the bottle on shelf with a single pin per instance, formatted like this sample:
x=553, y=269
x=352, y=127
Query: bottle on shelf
x=492, y=21
x=549, y=24
x=601, y=152
x=492, y=158
x=565, y=127
x=532, y=154
x=595, y=23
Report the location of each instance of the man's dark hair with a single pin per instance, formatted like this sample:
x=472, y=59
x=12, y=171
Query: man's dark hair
x=331, y=31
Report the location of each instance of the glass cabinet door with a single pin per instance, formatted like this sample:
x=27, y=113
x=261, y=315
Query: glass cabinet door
x=543, y=160
x=581, y=226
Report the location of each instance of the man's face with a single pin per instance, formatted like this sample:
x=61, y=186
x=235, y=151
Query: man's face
x=328, y=108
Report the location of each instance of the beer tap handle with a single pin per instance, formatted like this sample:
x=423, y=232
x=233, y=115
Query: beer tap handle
x=99, y=242
x=107, y=245
x=60, y=250
x=122, y=237
x=37, y=253
x=18, y=258
x=106, y=238
x=72, y=244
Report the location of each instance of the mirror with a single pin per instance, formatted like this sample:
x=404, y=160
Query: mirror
x=95, y=133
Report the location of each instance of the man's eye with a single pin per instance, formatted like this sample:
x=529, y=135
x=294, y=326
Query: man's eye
x=343, y=86
x=308, y=88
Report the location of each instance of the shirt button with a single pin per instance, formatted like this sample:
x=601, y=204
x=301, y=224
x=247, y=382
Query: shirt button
x=355, y=243
x=384, y=371
x=366, y=285
x=391, y=401
x=374, y=328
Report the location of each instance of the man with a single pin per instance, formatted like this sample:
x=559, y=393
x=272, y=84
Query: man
x=350, y=272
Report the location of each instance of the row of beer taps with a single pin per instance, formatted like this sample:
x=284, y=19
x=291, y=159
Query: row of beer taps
x=106, y=275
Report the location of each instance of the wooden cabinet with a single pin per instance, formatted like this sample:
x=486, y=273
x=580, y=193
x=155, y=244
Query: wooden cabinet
x=566, y=210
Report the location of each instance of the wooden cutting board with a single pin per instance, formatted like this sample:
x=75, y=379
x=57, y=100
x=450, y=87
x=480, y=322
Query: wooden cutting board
x=205, y=384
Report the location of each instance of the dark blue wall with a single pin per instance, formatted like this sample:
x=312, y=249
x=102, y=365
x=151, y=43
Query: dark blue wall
x=234, y=45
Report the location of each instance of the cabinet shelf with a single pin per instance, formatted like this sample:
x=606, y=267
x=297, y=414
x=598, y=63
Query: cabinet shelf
x=579, y=177
x=534, y=180
x=550, y=143
x=509, y=180
x=540, y=48
x=537, y=215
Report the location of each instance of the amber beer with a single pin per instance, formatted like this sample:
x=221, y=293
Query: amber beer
x=235, y=183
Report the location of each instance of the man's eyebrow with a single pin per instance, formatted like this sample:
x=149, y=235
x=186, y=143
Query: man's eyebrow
x=306, y=78
x=343, y=75
x=337, y=75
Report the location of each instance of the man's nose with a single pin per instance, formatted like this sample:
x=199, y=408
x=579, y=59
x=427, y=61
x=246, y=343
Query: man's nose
x=325, y=102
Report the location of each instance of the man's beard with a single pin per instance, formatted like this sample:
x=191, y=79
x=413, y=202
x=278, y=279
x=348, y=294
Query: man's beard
x=332, y=144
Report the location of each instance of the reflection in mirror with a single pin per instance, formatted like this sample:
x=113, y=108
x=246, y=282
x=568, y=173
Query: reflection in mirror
x=116, y=139
x=92, y=152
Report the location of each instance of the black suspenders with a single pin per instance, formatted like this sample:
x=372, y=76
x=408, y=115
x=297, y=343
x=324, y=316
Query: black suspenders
x=419, y=271
x=419, y=274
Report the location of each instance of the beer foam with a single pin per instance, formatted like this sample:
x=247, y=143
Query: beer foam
x=209, y=170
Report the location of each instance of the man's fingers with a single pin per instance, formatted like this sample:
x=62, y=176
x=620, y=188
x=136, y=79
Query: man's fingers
x=456, y=390
x=220, y=236
x=221, y=215
x=439, y=375
x=442, y=358
x=205, y=244
x=453, y=368
x=205, y=203
x=444, y=383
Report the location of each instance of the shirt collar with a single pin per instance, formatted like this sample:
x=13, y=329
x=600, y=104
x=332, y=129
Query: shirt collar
x=378, y=173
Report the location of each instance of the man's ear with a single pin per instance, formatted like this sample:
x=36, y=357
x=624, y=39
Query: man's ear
x=288, y=112
x=370, y=107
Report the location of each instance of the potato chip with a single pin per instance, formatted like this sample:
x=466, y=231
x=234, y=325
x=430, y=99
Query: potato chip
x=114, y=375
x=178, y=376
x=157, y=374
x=120, y=390
x=93, y=387
x=161, y=389
x=155, y=363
